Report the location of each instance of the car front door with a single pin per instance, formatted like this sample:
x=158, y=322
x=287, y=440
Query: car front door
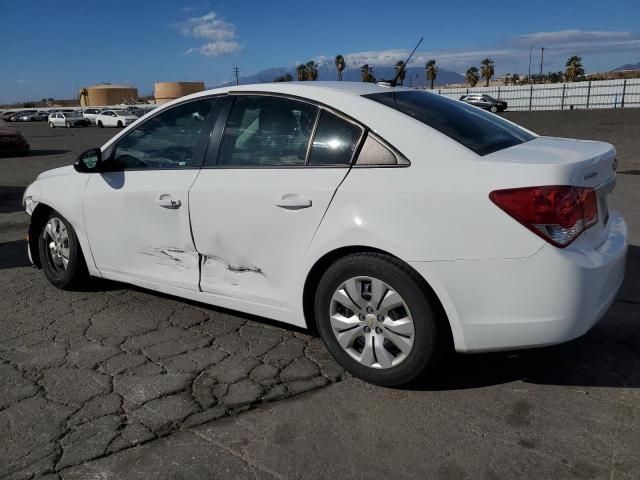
x=137, y=210
x=262, y=194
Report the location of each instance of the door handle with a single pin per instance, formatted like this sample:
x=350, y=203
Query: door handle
x=293, y=201
x=166, y=201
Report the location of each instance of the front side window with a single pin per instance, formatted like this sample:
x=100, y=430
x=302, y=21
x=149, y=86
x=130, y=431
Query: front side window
x=168, y=140
x=267, y=131
x=335, y=140
x=479, y=131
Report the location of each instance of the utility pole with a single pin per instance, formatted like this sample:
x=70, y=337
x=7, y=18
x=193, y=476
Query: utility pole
x=530, y=54
x=236, y=72
x=541, y=59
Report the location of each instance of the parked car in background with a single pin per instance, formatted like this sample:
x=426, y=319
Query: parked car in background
x=34, y=117
x=115, y=118
x=7, y=115
x=348, y=208
x=91, y=114
x=485, y=101
x=12, y=143
x=68, y=119
x=18, y=115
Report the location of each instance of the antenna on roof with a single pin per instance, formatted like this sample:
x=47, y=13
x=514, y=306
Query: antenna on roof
x=404, y=65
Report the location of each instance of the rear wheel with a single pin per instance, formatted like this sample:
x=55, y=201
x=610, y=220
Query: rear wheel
x=376, y=320
x=100, y=124
x=60, y=254
x=494, y=108
x=68, y=125
x=51, y=125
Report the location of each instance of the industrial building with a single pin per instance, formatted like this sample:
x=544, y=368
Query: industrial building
x=167, y=91
x=107, y=94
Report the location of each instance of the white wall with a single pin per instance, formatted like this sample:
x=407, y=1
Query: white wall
x=600, y=94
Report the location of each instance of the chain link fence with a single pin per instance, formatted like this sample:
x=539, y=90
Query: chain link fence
x=560, y=96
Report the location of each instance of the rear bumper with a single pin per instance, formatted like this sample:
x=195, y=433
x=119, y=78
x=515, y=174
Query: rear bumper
x=550, y=297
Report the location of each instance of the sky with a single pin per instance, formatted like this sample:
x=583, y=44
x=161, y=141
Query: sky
x=53, y=48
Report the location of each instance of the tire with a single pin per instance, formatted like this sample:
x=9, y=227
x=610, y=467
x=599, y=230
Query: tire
x=100, y=124
x=75, y=272
x=68, y=125
x=390, y=366
x=494, y=109
x=51, y=125
x=119, y=124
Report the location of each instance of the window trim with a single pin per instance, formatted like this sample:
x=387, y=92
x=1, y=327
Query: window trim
x=201, y=147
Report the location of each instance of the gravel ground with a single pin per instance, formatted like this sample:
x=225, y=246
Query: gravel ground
x=118, y=382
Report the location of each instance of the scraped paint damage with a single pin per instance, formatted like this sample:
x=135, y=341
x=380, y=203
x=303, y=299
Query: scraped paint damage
x=232, y=268
x=173, y=257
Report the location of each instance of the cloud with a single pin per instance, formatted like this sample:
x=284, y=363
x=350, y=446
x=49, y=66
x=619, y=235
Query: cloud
x=511, y=55
x=564, y=36
x=214, y=49
x=221, y=34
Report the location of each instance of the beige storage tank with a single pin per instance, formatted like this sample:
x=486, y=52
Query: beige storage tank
x=167, y=91
x=107, y=94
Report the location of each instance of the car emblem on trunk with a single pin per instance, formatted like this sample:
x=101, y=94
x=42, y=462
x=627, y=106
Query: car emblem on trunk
x=589, y=175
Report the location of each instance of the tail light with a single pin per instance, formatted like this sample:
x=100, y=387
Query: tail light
x=558, y=214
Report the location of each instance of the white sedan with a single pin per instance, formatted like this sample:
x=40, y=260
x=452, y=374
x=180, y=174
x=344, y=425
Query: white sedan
x=115, y=118
x=394, y=222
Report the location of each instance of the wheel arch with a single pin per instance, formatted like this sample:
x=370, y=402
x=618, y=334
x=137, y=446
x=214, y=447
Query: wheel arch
x=38, y=219
x=321, y=265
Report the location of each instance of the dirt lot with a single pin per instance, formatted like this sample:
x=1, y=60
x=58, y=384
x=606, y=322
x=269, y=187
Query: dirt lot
x=118, y=382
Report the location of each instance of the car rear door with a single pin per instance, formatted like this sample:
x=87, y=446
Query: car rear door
x=268, y=179
x=137, y=212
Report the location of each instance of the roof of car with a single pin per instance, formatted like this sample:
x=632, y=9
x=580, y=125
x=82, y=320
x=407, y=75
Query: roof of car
x=355, y=88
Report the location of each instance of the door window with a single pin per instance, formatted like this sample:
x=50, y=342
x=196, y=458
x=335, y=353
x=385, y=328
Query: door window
x=335, y=141
x=267, y=131
x=168, y=140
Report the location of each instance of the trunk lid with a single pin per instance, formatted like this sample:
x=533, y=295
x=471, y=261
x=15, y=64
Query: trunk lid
x=580, y=163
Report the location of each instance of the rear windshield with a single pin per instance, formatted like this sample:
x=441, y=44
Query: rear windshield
x=480, y=131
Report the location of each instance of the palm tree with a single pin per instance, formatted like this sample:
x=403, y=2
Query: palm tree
x=367, y=73
x=311, y=70
x=432, y=71
x=401, y=70
x=301, y=70
x=472, y=76
x=574, y=68
x=487, y=70
x=340, y=65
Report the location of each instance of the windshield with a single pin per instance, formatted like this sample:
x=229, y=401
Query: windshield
x=480, y=131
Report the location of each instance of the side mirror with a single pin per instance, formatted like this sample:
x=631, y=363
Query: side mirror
x=89, y=161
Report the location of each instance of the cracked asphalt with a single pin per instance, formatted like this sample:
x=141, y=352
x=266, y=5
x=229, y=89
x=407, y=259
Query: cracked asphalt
x=117, y=382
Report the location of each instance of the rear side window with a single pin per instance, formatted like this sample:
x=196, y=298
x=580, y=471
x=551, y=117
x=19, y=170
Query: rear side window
x=474, y=128
x=335, y=141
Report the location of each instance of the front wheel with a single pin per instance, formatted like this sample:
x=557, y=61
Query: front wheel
x=51, y=125
x=100, y=124
x=494, y=109
x=60, y=253
x=68, y=125
x=119, y=124
x=376, y=320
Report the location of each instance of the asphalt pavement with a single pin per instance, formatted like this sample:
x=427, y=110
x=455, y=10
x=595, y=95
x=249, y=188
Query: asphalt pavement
x=116, y=382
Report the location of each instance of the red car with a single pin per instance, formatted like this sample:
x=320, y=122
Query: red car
x=12, y=143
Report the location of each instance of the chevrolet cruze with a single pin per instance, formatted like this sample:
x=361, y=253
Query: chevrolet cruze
x=395, y=222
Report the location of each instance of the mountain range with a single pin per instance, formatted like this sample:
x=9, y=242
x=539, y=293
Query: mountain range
x=415, y=76
x=628, y=66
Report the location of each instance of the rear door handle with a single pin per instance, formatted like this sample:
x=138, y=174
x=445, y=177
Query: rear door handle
x=167, y=201
x=293, y=201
